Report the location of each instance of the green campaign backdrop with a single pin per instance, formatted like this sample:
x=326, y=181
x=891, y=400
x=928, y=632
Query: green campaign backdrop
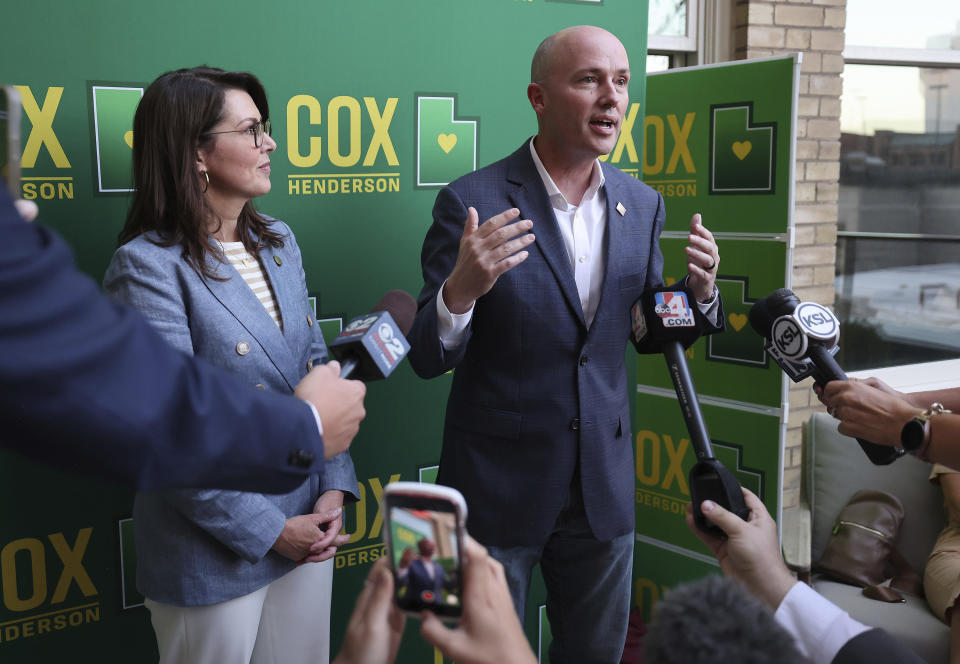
x=375, y=104
x=719, y=141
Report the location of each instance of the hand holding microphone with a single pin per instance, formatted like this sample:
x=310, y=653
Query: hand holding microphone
x=802, y=338
x=663, y=321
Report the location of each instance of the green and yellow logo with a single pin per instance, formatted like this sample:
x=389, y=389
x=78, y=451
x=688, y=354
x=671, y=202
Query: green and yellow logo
x=42, y=150
x=113, y=111
x=742, y=152
x=740, y=344
x=446, y=147
x=46, y=587
x=342, y=147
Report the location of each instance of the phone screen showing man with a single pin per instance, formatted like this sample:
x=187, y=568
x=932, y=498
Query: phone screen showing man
x=426, y=559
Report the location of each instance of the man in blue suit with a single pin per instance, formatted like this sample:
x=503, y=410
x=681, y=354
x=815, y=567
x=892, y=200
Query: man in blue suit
x=424, y=574
x=88, y=386
x=537, y=432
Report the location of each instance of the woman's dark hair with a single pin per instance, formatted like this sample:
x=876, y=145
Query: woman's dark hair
x=170, y=125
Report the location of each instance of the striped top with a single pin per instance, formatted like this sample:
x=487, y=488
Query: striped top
x=252, y=272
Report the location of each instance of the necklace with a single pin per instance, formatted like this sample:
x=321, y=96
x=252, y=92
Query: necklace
x=242, y=256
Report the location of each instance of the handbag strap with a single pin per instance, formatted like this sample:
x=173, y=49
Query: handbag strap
x=904, y=578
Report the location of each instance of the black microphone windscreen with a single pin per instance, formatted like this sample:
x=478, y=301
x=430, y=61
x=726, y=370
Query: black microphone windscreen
x=715, y=620
x=766, y=310
x=661, y=314
x=402, y=308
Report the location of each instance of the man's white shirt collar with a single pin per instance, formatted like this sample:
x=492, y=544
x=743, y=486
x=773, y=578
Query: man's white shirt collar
x=557, y=199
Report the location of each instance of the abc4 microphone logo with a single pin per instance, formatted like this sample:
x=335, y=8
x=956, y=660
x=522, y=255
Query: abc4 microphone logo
x=673, y=309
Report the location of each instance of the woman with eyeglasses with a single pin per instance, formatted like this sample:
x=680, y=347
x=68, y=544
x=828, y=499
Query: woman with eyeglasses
x=228, y=576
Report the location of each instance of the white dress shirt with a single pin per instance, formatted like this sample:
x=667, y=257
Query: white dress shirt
x=819, y=627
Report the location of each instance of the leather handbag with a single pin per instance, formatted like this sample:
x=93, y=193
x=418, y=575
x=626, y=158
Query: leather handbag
x=862, y=550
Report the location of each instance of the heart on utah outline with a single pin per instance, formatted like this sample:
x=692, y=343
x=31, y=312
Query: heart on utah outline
x=737, y=321
x=742, y=149
x=447, y=141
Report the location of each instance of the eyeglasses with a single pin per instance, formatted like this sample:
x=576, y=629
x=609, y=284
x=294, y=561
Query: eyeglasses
x=257, y=131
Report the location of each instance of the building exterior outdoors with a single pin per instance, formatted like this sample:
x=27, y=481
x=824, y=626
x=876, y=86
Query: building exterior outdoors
x=877, y=191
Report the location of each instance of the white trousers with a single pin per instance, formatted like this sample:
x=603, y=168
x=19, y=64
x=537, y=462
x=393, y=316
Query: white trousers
x=286, y=622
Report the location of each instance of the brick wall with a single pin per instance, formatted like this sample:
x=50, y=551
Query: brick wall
x=816, y=28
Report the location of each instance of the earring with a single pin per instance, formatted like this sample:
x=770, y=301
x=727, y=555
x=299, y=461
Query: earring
x=207, y=185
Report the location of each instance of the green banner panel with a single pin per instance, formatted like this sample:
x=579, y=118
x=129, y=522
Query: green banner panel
x=66, y=591
x=374, y=104
x=718, y=140
x=672, y=569
x=731, y=365
x=745, y=440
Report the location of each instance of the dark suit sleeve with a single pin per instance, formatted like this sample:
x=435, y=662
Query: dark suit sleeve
x=86, y=385
x=427, y=355
x=655, y=281
x=875, y=647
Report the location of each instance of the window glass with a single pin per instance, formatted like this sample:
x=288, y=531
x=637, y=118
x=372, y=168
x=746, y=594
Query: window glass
x=668, y=17
x=898, y=250
x=927, y=23
x=657, y=63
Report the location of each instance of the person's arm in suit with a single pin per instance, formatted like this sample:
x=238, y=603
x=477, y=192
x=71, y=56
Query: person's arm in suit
x=464, y=258
x=875, y=646
x=104, y=395
x=709, y=313
x=247, y=523
x=824, y=633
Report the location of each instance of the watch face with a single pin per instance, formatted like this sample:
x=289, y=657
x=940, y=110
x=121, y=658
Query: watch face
x=911, y=437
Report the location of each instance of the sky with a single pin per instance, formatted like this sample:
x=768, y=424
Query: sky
x=891, y=97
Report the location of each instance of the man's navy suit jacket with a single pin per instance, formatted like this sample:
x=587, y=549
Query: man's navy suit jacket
x=875, y=646
x=419, y=579
x=87, y=385
x=536, y=393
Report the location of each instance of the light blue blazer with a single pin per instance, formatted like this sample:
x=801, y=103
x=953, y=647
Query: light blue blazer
x=199, y=546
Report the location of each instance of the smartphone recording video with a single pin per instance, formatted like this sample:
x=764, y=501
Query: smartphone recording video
x=10, y=138
x=424, y=537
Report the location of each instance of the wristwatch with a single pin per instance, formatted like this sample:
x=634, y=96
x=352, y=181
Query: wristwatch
x=915, y=435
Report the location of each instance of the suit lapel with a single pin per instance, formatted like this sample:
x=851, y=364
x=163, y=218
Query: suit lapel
x=613, y=247
x=237, y=298
x=530, y=198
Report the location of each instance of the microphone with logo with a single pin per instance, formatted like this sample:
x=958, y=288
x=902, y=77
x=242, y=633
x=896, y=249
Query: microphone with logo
x=663, y=322
x=372, y=345
x=802, y=338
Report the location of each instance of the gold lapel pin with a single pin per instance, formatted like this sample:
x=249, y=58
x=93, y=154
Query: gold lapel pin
x=622, y=210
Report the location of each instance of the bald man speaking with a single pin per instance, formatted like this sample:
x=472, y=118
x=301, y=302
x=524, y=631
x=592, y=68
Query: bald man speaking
x=531, y=307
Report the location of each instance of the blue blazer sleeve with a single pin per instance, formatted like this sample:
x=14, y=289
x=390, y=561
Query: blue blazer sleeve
x=247, y=523
x=105, y=395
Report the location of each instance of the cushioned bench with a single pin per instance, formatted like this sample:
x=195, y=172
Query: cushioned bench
x=835, y=468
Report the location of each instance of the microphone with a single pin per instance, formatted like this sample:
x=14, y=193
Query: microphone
x=372, y=345
x=802, y=337
x=663, y=322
